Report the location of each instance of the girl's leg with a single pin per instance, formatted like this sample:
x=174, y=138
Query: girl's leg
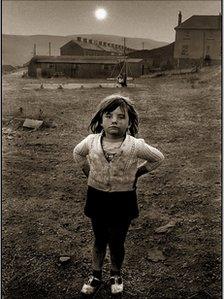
x=98, y=252
x=117, y=234
x=100, y=245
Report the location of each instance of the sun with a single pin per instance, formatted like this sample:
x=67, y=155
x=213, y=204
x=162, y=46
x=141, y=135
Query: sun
x=100, y=13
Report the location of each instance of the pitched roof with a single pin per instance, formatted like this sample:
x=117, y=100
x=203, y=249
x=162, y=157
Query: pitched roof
x=73, y=57
x=161, y=51
x=82, y=59
x=109, y=49
x=84, y=45
x=201, y=22
x=98, y=47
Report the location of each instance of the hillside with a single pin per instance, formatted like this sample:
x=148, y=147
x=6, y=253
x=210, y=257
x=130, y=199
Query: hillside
x=18, y=49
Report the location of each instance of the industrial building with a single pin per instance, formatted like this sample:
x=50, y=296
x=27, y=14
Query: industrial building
x=88, y=47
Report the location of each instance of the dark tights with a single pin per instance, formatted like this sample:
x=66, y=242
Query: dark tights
x=111, y=233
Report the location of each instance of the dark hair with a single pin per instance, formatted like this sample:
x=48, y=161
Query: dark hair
x=109, y=104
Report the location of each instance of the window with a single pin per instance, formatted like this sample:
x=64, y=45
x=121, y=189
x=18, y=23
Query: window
x=184, y=50
x=210, y=35
x=186, y=35
x=107, y=67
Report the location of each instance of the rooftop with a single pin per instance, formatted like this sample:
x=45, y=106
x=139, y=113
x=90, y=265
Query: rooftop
x=161, y=51
x=82, y=59
x=98, y=47
x=84, y=45
x=201, y=22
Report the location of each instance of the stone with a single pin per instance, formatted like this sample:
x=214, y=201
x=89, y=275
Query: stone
x=64, y=259
x=165, y=228
x=156, y=255
x=32, y=123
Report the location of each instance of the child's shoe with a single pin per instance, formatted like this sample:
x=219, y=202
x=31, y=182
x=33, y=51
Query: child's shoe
x=91, y=286
x=117, y=285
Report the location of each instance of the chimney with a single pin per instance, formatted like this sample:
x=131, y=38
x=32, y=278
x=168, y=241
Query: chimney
x=179, y=17
x=49, y=48
x=79, y=38
x=90, y=41
x=100, y=43
x=85, y=40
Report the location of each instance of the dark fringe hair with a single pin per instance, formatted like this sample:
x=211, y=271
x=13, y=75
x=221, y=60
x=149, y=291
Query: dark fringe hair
x=109, y=104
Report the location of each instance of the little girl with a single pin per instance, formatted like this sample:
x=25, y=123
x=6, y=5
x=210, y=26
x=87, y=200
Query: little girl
x=109, y=158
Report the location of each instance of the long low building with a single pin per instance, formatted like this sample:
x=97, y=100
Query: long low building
x=82, y=66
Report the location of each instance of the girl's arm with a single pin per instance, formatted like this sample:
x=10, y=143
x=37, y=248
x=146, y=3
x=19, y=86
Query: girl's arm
x=81, y=161
x=152, y=156
x=80, y=153
x=86, y=168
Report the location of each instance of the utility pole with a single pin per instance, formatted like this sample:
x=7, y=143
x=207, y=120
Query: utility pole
x=203, y=49
x=125, y=57
x=34, y=49
x=178, y=63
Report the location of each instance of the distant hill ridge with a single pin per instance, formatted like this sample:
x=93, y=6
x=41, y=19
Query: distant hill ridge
x=18, y=49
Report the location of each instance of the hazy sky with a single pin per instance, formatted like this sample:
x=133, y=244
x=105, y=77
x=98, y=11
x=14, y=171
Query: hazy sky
x=148, y=19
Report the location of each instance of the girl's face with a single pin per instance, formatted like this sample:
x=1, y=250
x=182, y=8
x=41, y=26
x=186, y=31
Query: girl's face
x=115, y=123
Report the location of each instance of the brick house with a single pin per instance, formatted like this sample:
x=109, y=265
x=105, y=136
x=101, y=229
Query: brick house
x=198, y=39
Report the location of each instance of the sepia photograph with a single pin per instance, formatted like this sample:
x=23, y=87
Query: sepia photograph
x=111, y=149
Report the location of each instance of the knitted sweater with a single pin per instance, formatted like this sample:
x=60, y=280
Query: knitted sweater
x=119, y=174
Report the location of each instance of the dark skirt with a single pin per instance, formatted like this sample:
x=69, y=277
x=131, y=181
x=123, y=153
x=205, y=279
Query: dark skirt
x=111, y=205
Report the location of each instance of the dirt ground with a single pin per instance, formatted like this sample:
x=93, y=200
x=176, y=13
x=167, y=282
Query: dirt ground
x=43, y=193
